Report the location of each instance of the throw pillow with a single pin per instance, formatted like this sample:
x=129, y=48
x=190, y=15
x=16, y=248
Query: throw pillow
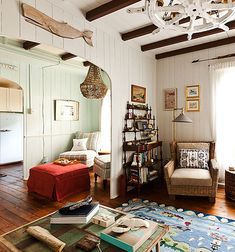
x=188, y=158
x=79, y=144
x=194, y=158
x=203, y=159
x=93, y=139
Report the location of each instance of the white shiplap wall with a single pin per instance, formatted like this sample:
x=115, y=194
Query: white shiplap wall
x=178, y=72
x=47, y=82
x=125, y=64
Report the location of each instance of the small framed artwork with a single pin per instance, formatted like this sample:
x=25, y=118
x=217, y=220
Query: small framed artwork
x=193, y=105
x=66, y=110
x=170, y=98
x=138, y=94
x=192, y=92
x=141, y=125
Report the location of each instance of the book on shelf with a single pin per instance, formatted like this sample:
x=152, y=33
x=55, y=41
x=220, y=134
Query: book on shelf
x=143, y=175
x=129, y=241
x=153, y=173
x=134, y=178
x=80, y=215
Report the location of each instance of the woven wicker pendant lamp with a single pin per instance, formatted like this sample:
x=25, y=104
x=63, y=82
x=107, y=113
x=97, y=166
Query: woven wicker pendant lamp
x=93, y=86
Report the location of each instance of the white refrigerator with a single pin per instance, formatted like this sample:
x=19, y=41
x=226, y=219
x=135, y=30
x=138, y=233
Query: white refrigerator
x=11, y=137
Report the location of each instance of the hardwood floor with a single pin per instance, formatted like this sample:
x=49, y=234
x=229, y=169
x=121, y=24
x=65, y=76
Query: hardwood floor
x=17, y=207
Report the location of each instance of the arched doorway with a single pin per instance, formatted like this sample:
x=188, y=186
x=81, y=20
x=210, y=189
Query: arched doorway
x=11, y=122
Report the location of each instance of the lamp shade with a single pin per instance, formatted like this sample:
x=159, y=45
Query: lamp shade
x=93, y=86
x=182, y=118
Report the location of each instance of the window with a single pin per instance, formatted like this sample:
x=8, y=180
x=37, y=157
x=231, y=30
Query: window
x=223, y=119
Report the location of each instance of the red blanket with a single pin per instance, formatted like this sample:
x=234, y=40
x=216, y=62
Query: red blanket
x=57, y=182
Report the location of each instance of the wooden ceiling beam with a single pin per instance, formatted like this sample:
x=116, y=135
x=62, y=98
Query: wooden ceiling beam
x=27, y=45
x=199, y=47
x=138, y=32
x=108, y=8
x=87, y=63
x=67, y=56
x=146, y=30
x=183, y=38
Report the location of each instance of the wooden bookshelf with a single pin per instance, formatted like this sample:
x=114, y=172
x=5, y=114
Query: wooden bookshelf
x=145, y=165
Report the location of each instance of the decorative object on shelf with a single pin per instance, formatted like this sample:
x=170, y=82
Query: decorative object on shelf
x=181, y=118
x=47, y=23
x=66, y=110
x=204, y=15
x=93, y=86
x=138, y=94
x=141, y=125
x=170, y=98
x=193, y=105
x=192, y=92
x=136, y=160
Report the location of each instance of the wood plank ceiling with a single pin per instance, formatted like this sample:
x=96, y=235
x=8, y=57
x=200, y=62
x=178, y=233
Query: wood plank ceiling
x=138, y=27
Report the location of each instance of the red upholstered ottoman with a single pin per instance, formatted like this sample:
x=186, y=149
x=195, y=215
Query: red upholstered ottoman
x=58, y=182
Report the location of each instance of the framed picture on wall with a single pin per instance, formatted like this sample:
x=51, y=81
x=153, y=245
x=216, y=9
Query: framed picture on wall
x=170, y=98
x=66, y=110
x=193, y=105
x=138, y=94
x=192, y=92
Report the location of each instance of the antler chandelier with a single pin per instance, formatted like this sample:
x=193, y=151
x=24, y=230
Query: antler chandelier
x=203, y=14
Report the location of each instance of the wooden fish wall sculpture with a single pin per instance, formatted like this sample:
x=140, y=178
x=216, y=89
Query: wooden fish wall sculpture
x=61, y=29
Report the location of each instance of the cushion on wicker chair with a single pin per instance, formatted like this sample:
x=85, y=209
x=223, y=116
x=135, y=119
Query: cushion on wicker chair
x=194, y=146
x=194, y=158
x=191, y=177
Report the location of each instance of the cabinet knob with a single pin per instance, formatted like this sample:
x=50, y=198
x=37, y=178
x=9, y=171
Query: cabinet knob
x=5, y=130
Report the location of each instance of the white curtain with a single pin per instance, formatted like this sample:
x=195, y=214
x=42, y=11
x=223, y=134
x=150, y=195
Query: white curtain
x=106, y=122
x=223, y=119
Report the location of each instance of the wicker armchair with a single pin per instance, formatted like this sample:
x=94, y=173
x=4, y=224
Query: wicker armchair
x=191, y=181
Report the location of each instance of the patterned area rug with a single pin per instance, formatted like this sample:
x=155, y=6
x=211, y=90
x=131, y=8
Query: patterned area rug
x=189, y=231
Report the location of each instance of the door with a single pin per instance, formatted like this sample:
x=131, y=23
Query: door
x=11, y=137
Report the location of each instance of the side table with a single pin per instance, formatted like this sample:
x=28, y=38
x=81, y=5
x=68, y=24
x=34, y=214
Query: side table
x=230, y=184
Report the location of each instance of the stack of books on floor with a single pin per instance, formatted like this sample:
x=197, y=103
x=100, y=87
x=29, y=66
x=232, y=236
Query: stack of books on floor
x=131, y=240
x=81, y=215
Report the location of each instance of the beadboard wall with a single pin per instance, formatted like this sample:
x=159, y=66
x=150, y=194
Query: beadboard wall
x=178, y=72
x=43, y=82
x=124, y=63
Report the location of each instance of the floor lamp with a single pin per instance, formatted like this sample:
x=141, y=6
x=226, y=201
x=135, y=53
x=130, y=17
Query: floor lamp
x=181, y=118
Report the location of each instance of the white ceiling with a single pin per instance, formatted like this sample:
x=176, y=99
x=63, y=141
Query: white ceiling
x=123, y=22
